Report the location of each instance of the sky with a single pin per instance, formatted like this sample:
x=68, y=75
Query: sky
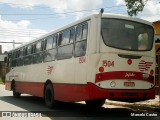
x=24, y=21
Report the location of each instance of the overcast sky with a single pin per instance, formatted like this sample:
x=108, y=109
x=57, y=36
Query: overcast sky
x=24, y=20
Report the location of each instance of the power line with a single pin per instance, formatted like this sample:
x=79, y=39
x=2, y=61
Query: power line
x=21, y=32
x=89, y=10
x=18, y=35
x=44, y=18
x=50, y=13
x=12, y=42
x=66, y=13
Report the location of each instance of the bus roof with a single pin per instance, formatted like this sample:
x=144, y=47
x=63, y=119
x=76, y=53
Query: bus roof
x=105, y=15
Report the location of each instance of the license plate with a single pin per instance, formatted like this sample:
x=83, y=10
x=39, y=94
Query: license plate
x=129, y=84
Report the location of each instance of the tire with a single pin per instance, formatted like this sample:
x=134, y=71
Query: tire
x=15, y=94
x=49, y=96
x=95, y=103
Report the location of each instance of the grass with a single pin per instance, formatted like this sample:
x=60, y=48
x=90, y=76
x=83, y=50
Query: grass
x=1, y=80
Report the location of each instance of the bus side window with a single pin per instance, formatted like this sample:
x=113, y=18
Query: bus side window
x=28, y=57
x=72, y=35
x=60, y=39
x=49, y=42
x=20, y=61
x=79, y=33
x=43, y=44
x=81, y=40
x=28, y=50
x=9, y=63
x=37, y=57
x=50, y=55
x=84, y=32
x=55, y=41
x=38, y=47
x=13, y=62
x=24, y=51
x=65, y=48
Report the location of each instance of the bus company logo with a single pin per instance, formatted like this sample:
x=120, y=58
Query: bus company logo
x=144, y=66
x=130, y=75
x=49, y=69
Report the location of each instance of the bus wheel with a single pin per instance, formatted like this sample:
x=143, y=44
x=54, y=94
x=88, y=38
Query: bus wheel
x=15, y=94
x=95, y=103
x=49, y=96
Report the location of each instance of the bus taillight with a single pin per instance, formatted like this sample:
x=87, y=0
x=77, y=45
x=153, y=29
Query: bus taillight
x=152, y=72
x=129, y=61
x=101, y=69
x=99, y=76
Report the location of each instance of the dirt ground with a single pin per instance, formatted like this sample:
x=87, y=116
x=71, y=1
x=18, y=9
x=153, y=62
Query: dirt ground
x=149, y=105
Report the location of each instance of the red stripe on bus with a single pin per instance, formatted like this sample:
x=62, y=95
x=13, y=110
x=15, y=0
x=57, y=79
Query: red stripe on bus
x=81, y=92
x=33, y=88
x=126, y=75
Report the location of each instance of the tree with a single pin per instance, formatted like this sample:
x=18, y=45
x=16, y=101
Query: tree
x=135, y=6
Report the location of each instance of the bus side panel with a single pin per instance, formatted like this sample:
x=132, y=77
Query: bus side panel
x=8, y=85
x=81, y=70
x=8, y=79
x=71, y=92
x=32, y=88
x=63, y=71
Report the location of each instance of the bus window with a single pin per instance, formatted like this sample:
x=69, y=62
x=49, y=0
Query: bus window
x=37, y=58
x=142, y=41
x=84, y=36
x=72, y=35
x=65, y=49
x=38, y=47
x=127, y=35
x=49, y=42
x=78, y=33
x=13, y=55
x=65, y=52
x=28, y=50
x=54, y=41
x=21, y=52
x=49, y=55
x=80, y=48
x=17, y=54
x=65, y=37
x=81, y=40
x=24, y=51
x=9, y=59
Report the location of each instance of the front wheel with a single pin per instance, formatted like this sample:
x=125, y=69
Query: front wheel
x=95, y=103
x=15, y=94
x=49, y=96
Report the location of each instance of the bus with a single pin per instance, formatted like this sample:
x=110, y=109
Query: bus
x=102, y=56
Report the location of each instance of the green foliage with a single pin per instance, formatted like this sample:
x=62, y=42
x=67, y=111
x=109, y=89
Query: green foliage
x=3, y=79
x=135, y=6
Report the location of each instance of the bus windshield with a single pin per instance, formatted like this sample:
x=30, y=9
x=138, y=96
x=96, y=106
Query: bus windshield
x=127, y=35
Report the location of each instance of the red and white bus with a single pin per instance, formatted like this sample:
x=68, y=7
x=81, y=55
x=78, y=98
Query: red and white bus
x=103, y=56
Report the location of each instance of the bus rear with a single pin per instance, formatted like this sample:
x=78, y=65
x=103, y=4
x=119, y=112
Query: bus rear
x=126, y=61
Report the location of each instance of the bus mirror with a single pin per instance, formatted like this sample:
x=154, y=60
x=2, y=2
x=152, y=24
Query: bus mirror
x=5, y=59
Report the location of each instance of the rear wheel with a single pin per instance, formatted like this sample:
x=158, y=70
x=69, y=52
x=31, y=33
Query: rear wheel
x=15, y=94
x=95, y=103
x=49, y=96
